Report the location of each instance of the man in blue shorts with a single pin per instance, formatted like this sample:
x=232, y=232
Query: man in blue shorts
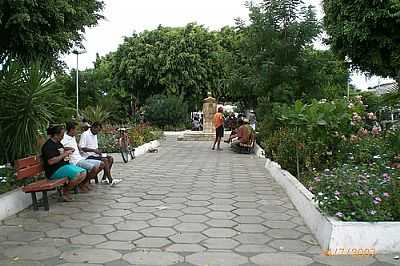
x=93, y=167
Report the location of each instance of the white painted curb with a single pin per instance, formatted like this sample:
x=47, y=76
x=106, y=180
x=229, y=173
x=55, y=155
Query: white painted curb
x=141, y=150
x=15, y=201
x=332, y=234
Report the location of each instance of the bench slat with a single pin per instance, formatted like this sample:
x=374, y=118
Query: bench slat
x=26, y=162
x=43, y=185
x=30, y=171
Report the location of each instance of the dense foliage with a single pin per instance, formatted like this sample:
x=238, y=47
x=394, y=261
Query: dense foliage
x=44, y=29
x=367, y=32
x=165, y=111
x=28, y=103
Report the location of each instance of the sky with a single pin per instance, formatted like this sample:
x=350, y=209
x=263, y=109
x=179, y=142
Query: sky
x=124, y=17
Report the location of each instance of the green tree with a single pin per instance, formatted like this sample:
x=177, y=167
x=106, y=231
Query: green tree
x=366, y=32
x=185, y=62
x=45, y=28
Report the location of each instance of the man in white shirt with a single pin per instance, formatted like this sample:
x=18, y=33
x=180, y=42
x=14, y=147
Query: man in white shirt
x=90, y=150
x=93, y=167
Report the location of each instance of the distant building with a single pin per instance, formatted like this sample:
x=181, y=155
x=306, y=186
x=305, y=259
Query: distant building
x=383, y=88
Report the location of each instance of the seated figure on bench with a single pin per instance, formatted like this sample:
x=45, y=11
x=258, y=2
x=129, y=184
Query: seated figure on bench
x=90, y=150
x=56, y=161
x=93, y=167
x=235, y=131
x=244, y=136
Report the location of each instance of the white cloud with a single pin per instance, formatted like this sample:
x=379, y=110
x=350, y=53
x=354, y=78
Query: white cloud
x=123, y=17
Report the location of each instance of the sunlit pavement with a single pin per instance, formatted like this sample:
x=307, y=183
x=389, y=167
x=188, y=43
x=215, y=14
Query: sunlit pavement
x=185, y=205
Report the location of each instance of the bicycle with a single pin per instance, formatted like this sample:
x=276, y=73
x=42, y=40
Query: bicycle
x=125, y=146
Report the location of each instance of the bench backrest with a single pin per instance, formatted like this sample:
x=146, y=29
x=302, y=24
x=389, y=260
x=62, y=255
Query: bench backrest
x=29, y=167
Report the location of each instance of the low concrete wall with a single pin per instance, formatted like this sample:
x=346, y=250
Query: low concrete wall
x=15, y=201
x=332, y=234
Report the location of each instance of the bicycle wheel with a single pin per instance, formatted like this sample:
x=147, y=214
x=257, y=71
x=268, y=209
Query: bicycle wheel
x=124, y=150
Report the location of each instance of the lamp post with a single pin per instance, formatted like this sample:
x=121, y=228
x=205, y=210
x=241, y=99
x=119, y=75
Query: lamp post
x=77, y=52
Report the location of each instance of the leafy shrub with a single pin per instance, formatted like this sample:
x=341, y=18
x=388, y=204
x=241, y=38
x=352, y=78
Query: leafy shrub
x=164, y=111
x=95, y=114
x=29, y=103
x=143, y=134
x=108, y=142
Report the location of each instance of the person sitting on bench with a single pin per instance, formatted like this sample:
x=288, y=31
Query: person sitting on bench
x=56, y=161
x=90, y=150
x=93, y=167
x=234, y=131
x=243, y=135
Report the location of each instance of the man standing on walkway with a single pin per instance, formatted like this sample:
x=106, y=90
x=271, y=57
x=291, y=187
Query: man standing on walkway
x=219, y=128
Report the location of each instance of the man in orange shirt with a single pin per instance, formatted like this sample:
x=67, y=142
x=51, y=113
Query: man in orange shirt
x=219, y=128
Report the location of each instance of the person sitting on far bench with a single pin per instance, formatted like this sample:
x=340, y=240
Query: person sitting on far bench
x=234, y=132
x=90, y=150
x=93, y=167
x=56, y=162
x=243, y=135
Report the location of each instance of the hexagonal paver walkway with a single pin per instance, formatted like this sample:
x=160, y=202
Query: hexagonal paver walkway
x=186, y=205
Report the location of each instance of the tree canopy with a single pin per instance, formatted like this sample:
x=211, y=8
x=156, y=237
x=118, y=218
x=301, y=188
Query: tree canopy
x=45, y=28
x=367, y=33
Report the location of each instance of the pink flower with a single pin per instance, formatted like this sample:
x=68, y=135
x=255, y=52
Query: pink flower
x=377, y=200
x=317, y=179
x=385, y=194
x=339, y=214
x=337, y=193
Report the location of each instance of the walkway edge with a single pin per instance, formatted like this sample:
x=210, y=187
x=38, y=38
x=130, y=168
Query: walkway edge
x=332, y=235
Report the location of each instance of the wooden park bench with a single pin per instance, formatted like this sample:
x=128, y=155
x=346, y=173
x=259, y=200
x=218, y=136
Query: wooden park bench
x=246, y=148
x=29, y=168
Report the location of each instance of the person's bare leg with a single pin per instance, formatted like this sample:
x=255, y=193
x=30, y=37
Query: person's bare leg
x=106, y=174
x=215, y=142
x=71, y=185
x=219, y=144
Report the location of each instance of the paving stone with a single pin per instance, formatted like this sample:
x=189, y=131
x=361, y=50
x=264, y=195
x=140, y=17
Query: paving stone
x=185, y=248
x=281, y=259
x=158, y=232
x=116, y=212
x=49, y=242
x=252, y=248
x=221, y=223
x=344, y=260
x=247, y=238
x=195, y=210
x=289, y=245
x=88, y=239
x=388, y=259
x=250, y=228
x=216, y=259
x=152, y=242
x=221, y=215
x=164, y=222
x=284, y=233
x=131, y=225
x=139, y=216
x=190, y=227
x=74, y=224
x=124, y=235
x=220, y=232
x=188, y=238
x=280, y=224
x=40, y=227
x=193, y=218
x=98, y=229
x=85, y=216
x=20, y=263
x=25, y=236
x=220, y=243
x=248, y=219
x=169, y=213
x=119, y=245
x=91, y=255
x=78, y=264
x=31, y=253
x=217, y=207
x=108, y=220
x=247, y=212
x=153, y=258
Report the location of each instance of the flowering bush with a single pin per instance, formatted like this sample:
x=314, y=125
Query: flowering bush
x=367, y=192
